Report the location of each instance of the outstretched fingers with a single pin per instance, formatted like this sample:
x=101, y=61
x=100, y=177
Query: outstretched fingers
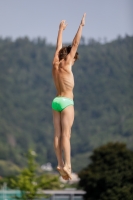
x=83, y=19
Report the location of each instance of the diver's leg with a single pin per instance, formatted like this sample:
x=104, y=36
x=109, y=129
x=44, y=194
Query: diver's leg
x=57, y=142
x=67, y=118
x=57, y=137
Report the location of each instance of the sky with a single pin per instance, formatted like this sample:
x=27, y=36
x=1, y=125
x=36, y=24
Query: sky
x=41, y=18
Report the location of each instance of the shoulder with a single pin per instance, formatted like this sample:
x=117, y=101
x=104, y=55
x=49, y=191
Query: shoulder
x=66, y=65
x=68, y=62
x=55, y=65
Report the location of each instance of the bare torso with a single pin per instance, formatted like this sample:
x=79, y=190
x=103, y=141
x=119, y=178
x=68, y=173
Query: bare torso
x=63, y=79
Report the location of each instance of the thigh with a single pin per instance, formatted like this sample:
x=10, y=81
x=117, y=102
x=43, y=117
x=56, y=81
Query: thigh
x=67, y=118
x=57, y=122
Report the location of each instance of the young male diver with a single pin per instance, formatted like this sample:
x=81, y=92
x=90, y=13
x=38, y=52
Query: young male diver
x=63, y=104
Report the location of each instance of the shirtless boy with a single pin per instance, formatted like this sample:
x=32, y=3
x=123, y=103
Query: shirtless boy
x=63, y=104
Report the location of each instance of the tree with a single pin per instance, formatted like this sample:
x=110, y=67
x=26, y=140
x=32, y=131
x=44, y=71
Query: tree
x=30, y=183
x=110, y=174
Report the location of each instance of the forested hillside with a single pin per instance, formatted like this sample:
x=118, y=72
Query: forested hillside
x=103, y=98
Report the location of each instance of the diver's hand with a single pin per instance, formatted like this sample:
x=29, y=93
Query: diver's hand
x=83, y=20
x=63, y=25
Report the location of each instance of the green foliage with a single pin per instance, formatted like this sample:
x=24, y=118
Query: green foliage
x=48, y=181
x=30, y=183
x=103, y=98
x=110, y=174
x=8, y=168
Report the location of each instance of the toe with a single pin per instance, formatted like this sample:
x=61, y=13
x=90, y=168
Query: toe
x=65, y=177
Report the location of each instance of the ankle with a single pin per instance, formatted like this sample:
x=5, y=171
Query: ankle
x=60, y=165
x=67, y=166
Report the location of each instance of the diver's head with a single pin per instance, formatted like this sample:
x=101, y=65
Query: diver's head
x=65, y=51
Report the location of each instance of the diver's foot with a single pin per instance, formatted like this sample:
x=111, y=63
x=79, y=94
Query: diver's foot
x=62, y=173
x=67, y=170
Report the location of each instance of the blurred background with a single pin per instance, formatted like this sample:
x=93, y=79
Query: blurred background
x=103, y=78
x=105, y=19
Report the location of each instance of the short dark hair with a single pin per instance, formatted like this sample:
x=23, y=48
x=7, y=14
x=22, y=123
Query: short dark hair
x=65, y=51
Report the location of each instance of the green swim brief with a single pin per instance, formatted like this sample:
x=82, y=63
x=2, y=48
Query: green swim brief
x=60, y=103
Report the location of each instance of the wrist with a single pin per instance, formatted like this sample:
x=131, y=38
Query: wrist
x=60, y=29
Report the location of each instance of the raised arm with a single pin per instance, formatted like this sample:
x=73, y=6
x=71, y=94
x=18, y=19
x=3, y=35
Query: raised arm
x=76, y=39
x=62, y=27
